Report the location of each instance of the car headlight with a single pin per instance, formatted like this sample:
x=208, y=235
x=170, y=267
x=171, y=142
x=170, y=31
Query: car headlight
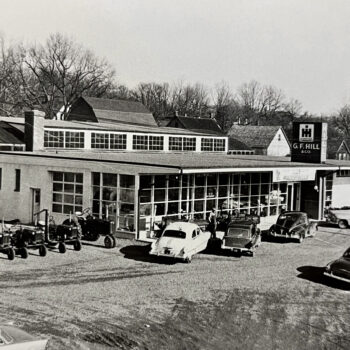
x=182, y=251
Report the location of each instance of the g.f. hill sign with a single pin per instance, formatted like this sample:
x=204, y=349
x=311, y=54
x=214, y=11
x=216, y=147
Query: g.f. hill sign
x=309, y=142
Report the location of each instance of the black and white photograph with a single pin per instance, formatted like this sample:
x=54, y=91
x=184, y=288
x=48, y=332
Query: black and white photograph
x=174, y=175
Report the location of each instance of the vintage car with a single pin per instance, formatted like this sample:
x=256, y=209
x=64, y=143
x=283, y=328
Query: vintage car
x=340, y=268
x=242, y=235
x=180, y=240
x=13, y=338
x=340, y=217
x=293, y=225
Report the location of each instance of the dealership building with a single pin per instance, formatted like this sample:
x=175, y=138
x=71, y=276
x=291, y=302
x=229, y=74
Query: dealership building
x=136, y=174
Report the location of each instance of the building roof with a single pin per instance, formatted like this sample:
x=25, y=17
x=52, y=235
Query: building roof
x=198, y=124
x=255, y=136
x=235, y=144
x=10, y=135
x=163, y=163
x=122, y=111
x=333, y=145
x=104, y=126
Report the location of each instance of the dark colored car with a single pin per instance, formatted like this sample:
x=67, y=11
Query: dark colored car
x=293, y=225
x=242, y=235
x=340, y=268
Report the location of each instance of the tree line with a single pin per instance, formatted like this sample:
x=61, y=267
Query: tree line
x=56, y=73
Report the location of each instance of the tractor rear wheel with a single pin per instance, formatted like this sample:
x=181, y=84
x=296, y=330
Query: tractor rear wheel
x=342, y=224
x=10, y=253
x=62, y=247
x=42, y=250
x=109, y=242
x=77, y=245
x=24, y=253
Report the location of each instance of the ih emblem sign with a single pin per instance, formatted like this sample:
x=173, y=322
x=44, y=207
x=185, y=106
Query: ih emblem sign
x=309, y=142
x=306, y=132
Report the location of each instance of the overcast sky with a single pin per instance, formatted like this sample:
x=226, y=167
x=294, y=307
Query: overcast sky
x=299, y=46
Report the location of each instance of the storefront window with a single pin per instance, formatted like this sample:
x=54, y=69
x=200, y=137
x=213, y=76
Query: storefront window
x=67, y=194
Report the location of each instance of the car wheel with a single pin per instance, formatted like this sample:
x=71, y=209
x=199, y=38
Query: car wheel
x=24, y=253
x=62, y=247
x=10, y=253
x=188, y=259
x=342, y=224
x=77, y=245
x=109, y=242
x=42, y=250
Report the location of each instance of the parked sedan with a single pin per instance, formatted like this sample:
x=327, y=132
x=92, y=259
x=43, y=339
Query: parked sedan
x=181, y=240
x=293, y=225
x=13, y=338
x=340, y=268
x=340, y=217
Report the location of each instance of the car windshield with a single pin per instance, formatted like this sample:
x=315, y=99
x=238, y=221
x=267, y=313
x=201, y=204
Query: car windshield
x=347, y=254
x=238, y=232
x=287, y=220
x=174, y=234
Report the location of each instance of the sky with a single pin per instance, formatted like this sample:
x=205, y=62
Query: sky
x=299, y=46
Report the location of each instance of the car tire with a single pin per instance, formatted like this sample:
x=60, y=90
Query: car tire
x=109, y=242
x=62, y=248
x=24, y=253
x=42, y=250
x=188, y=259
x=77, y=245
x=10, y=253
x=342, y=224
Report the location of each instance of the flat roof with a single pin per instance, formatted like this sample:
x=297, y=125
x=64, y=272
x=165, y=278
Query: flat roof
x=146, y=162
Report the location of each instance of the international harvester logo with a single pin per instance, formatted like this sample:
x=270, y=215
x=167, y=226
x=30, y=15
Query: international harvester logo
x=306, y=132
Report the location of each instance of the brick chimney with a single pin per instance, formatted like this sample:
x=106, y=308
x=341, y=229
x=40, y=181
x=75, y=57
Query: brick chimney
x=34, y=130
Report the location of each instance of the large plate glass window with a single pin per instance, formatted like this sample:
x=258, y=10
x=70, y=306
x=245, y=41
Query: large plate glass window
x=67, y=192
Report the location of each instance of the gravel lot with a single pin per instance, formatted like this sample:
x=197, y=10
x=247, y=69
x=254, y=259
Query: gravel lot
x=124, y=299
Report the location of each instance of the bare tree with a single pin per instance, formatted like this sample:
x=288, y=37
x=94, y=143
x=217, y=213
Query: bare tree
x=342, y=120
x=61, y=71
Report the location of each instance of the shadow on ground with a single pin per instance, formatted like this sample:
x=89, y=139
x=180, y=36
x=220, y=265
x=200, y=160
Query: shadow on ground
x=315, y=274
x=141, y=253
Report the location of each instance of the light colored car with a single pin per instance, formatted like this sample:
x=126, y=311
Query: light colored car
x=181, y=240
x=340, y=217
x=13, y=338
x=340, y=268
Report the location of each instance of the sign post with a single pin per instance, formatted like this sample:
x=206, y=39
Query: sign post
x=309, y=142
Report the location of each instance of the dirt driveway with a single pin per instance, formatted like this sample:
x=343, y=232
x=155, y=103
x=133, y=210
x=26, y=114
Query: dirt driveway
x=123, y=299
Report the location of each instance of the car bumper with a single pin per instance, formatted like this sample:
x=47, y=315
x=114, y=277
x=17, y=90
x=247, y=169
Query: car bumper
x=287, y=236
x=236, y=249
x=168, y=255
x=331, y=275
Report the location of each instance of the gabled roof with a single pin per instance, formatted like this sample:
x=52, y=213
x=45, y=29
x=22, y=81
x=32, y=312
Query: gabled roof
x=116, y=105
x=334, y=144
x=255, y=136
x=10, y=135
x=120, y=111
x=198, y=124
x=235, y=144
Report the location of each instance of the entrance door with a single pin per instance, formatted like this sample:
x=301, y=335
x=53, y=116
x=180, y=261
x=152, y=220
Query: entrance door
x=35, y=202
x=290, y=193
